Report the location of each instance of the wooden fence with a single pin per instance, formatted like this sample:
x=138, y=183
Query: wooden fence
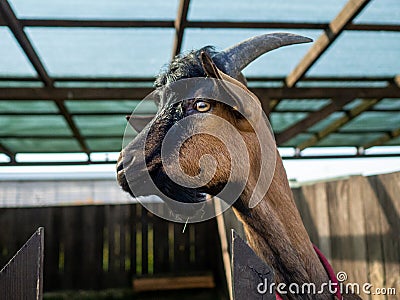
x=105, y=246
x=356, y=223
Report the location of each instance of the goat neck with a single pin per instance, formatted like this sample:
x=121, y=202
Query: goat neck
x=276, y=233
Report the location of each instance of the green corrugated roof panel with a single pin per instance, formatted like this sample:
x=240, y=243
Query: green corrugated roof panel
x=325, y=122
x=374, y=121
x=143, y=107
x=101, y=125
x=33, y=125
x=338, y=139
x=27, y=107
x=388, y=104
x=41, y=145
x=105, y=144
x=299, y=104
x=281, y=121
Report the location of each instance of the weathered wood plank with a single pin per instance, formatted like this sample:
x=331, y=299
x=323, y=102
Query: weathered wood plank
x=173, y=283
x=339, y=222
x=387, y=189
x=373, y=230
x=357, y=247
x=320, y=212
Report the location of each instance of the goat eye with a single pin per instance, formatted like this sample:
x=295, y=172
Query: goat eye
x=202, y=106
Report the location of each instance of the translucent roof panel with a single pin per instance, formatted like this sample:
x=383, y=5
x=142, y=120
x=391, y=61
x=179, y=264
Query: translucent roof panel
x=42, y=145
x=360, y=54
x=13, y=61
x=146, y=107
x=273, y=10
x=101, y=125
x=95, y=9
x=338, y=139
x=382, y=11
x=102, y=52
x=105, y=144
x=33, y=125
x=302, y=105
x=388, y=104
x=281, y=121
x=326, y=121
x=28, y=106
x=276, y=63
x=374, y=121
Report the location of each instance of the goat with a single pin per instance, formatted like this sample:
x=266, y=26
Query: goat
x=272, y=223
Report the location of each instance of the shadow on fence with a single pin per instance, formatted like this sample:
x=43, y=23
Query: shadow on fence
x=105, y=246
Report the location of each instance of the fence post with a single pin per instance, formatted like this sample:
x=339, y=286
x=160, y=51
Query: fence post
x=22, y=276
x=252, y=277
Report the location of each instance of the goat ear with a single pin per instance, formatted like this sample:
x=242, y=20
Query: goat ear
x=138, y=122
x=208, y=66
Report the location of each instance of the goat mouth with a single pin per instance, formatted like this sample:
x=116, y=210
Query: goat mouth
x=176, y=197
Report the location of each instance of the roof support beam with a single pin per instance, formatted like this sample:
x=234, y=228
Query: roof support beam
x=336, y=27
x=149, y=80
x=311, y=120
x=71, y=94
x=337, y=124
x=8, y=152
x=18, y=31
x=180, y=24
x=197, y=24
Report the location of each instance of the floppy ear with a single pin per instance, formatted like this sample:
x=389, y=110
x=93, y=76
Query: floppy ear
x=138, y=122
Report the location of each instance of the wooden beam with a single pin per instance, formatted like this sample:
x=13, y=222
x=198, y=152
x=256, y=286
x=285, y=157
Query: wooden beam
x=173, y=283
x=312, y=119
x=8, y=152
x=336, y=27
x=71, y=94
x=337, y=124
x=17, y=29
x=150, y=80
x=197, y=24
x=19, y=33
x=180, y=24
x=98, y=23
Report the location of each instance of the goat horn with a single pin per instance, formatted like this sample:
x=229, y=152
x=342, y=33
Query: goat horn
x=234, y=59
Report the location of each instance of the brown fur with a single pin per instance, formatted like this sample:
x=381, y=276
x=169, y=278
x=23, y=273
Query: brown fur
x=274, y=227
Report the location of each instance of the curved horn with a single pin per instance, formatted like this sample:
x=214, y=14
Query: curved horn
x=234, y=59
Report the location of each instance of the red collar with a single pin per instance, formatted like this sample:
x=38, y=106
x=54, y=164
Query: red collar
x=328, y=269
